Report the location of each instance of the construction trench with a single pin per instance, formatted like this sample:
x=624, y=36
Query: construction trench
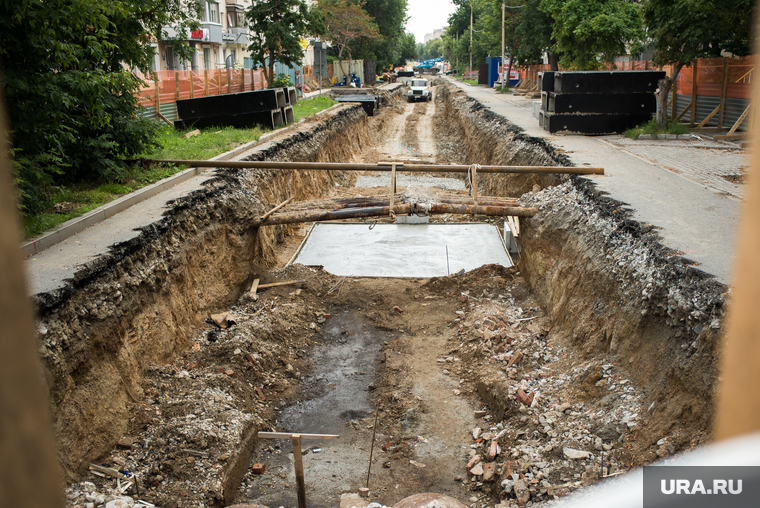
x=594, y=354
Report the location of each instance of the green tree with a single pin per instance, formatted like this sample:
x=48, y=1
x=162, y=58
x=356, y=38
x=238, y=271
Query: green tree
x=345, y=22
x=390, y=17
x=586, y=31
x=532, y=34
x=680, y=32
x=408, y=50
x=71, y=98
x=276, y=30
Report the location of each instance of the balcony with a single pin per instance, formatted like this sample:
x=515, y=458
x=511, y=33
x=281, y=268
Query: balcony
x=236, y=35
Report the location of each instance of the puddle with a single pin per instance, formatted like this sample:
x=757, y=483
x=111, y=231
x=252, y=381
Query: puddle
x=337, y=400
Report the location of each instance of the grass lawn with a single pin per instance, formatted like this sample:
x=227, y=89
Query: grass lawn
x=651, y=128
x=70, y=201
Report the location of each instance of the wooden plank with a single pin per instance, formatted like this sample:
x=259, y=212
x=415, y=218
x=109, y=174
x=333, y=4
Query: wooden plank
x=289, y=435
x=707, y=118
x=286, y=283
x=112, y=472
x=731, y=137
x=723, y=87
x=740, y=120
x=683, y=112
x=270, y=212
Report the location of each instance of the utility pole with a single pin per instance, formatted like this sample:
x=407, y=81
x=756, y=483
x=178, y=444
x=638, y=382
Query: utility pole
x=503, y=48
x=470, y=39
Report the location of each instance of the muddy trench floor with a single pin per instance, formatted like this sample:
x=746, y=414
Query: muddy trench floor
x=445, y=362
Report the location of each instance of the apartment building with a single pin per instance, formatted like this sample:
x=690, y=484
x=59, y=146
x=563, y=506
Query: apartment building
x=220, y=42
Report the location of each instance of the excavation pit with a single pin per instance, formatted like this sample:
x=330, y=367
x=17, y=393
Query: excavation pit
x=596, y=324
x=394, y=250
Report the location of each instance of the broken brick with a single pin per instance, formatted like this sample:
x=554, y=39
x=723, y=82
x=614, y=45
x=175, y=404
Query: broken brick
x=474, y=460
x=397, y=309
x=480, y=414
x=523, y=398
x=387, y=446
x=258, y=468
x=462, y=298
x=489, y=471
x=229, y=372
x=493, y=451
x=260, y=393
x=250, y=359
x=515, y=358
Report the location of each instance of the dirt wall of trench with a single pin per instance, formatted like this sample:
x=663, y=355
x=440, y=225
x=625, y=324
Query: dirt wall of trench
x=138, y=305
x=613, y=291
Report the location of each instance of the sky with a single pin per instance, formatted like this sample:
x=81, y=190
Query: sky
x=427, y=15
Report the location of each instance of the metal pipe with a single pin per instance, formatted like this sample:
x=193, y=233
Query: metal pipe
x=412, y=168
x=379, y=211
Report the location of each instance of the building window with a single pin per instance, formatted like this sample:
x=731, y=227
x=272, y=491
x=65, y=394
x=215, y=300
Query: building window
x=210, y=12
x=207, y=58
x=213, y=12
x=234, y=17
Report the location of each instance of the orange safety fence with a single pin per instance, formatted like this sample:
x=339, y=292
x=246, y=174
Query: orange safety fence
x=176, y=85
x=739, y=72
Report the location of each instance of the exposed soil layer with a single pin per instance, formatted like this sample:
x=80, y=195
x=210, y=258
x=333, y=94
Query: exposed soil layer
x=499, y=385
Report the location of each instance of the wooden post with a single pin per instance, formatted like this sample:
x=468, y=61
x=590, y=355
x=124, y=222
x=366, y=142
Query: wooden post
x=674, y=89
x=158, y=93
x=205, y=81
x=176, y=85
x=253, y=83
x=298, y=460
x=192, y=85
x=723, y=88
x=229, y=80
x=694, y=73
x=219, y=82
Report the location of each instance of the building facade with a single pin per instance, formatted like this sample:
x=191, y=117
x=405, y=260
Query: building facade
x=220, y=42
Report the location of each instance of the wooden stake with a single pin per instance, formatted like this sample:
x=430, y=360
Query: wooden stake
x=372, y=446
x=254, y=287
x=298, y=461
x=693, y=114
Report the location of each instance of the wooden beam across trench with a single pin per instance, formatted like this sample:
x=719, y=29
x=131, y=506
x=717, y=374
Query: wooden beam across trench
x=379, y=206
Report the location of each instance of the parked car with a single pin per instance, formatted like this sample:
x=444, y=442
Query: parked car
x=419, y=90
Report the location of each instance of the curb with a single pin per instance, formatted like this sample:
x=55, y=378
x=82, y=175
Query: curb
x=79, y=224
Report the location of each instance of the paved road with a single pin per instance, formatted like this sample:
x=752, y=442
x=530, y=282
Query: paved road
x=691, y=207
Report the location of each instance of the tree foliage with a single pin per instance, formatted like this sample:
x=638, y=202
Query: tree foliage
x=71, y=98
x=586, y=31
x=345, y=22
x=276, y=30
x=680, y=32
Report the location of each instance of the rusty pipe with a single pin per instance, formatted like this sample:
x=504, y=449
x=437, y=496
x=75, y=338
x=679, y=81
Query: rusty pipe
x=350, y=166
x=379, y=211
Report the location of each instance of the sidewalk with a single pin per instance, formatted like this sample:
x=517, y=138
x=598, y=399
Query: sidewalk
x=682, y=187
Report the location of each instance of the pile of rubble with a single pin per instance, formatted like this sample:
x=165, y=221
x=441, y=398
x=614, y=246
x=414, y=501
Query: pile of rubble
x=556, y=422
x=193, y=431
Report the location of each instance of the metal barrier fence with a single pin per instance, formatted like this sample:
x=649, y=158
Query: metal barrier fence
x=162, y=89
